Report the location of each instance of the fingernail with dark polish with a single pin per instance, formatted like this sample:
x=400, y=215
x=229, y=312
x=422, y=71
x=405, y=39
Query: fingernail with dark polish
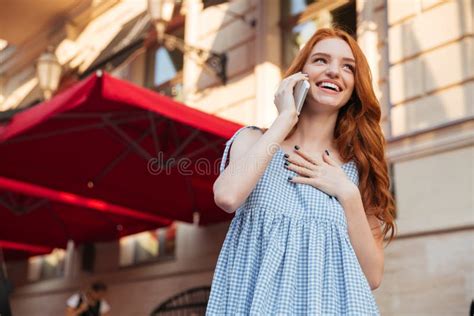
x=297, y=147
x=327, y=152
x=287, y=163
x=286, y=156
x=290, y=178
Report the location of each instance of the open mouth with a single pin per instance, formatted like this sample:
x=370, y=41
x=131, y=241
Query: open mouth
x=329, y=86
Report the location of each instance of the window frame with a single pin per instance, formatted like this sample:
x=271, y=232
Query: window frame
x=288, y=22
x=59, y=269
x=160, y=258
x=174, y=26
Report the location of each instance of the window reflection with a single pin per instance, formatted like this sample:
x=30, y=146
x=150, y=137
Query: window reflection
x=297, y=30
x=302, y=32
x=167, y=65
x=165, y=68
x=46, y=266
x=148, y=246
x=298, y=6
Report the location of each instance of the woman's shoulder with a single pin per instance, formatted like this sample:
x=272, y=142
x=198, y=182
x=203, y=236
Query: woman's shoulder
x=246, y=137
x=248, y=133
x=240, y=143
x=256, y=128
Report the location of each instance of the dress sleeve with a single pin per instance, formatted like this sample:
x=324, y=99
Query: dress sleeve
x=73, y=301
x=229, y=144
x=104, y=307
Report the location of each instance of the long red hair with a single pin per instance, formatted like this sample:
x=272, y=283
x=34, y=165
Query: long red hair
x=358, y=133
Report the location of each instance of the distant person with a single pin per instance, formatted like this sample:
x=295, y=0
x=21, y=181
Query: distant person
x=90, y=302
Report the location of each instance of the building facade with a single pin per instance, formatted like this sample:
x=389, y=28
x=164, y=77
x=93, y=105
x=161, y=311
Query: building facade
x=421, y=54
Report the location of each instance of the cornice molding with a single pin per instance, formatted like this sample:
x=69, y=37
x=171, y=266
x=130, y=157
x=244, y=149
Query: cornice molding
x=441, y=138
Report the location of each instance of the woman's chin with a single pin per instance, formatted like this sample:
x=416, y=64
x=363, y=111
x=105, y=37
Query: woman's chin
x=325, y=102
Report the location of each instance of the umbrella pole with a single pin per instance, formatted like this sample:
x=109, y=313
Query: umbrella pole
x=69, y=260
x=4, y=288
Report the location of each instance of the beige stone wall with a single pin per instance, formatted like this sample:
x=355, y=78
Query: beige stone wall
x=372, y=37
x=428, y=275
x=218, y=31
x=430, y=269
x=432, y=63
x=132, y=290
x=431, y=60
x=134, y=297
x=436, y=191
x=253, y=61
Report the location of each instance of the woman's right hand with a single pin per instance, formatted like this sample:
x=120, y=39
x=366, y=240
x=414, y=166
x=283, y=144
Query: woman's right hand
x=284, y=98
x=253, y=150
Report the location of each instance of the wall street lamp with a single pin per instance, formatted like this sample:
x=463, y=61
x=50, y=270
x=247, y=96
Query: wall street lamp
x=48, y=70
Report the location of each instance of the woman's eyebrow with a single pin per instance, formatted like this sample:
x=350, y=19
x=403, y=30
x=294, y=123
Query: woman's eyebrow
x=328, y=56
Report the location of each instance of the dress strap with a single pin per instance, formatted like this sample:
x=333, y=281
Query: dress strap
x=228, y=145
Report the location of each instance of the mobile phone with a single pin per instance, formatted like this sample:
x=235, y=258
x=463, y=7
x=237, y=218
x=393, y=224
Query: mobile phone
x=299, y=92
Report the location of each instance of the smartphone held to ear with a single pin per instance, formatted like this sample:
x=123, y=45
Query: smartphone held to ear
x=300, y=91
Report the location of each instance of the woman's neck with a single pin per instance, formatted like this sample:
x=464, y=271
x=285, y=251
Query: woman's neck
x=315, y=131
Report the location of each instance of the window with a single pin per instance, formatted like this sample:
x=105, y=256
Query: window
x=46, y=266
x=293, y=7
x=165, y=68
x=301, y=18
x=210, y=3
x=148, y=246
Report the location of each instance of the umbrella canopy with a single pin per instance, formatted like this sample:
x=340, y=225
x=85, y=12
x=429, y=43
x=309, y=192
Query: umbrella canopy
x=16, y=251
x=110, y=140
x=36, y=219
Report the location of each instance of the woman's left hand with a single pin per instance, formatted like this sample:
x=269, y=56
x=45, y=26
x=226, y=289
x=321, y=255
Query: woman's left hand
x=323, y=173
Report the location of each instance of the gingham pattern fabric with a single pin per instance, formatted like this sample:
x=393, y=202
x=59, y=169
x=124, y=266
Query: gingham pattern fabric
x=287, y=252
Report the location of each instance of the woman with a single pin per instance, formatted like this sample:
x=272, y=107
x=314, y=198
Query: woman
x=311, y=195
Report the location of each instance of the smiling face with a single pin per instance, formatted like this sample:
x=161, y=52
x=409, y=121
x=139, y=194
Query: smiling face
x=330, y=67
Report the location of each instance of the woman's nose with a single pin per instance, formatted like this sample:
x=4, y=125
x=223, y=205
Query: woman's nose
x=332, y=70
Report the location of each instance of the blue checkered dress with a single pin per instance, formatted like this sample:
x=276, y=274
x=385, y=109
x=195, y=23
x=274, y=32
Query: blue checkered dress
x=288, y=252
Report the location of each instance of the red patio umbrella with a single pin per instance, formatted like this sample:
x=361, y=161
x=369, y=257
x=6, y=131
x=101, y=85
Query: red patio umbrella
x=108, y=139
x=36, y=220
x=10, y=250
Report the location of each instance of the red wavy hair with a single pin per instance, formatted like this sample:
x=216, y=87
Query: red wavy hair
x=358, y=133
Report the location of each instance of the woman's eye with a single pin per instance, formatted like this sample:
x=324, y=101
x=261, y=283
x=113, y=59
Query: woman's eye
x=319, y=60
x=350, y=67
